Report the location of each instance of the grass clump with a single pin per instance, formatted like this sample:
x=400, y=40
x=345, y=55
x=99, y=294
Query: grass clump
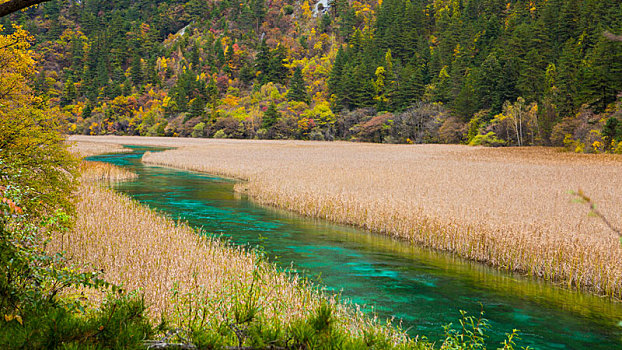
x=98, y=172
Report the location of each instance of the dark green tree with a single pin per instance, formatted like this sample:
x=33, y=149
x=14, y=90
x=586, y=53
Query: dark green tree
x=409, y=88
x=602, y=74
x=136, y=71
x=487, y=85
x=69, y=93
x=612, y=131
x=270, y=117
x=258, y=8
x=335, y=78
x=262, y=62
x=88, y=109
x=297, y=89
x=277, y=70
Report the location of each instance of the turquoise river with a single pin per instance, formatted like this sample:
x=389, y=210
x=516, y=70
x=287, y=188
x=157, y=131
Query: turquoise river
x=422, y=288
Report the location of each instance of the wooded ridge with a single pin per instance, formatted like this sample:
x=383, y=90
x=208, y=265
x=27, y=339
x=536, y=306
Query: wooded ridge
x=491, y=72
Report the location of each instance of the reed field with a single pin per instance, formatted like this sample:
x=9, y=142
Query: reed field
x=185, y=277
x=86, y=149
x=509, y=207
x=103, y=172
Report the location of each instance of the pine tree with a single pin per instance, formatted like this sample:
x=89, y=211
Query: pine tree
x=258, y=8
x=247, y=73
x=277, y=70
x=465, y=104
x=567, y=78
x=270, y=117
x=86, y=112
x=262, y=62
x=212, y=93
x=335, y=78
x=136, y=71
x=297, y=89
x=487, y=82
x=197, y=107
x=360, y=83
x=41, y=86
x=409, y=88
x=603, y=74
x=611, y=131
x=69, y=93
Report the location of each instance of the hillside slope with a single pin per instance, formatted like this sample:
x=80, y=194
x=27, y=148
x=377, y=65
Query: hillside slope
x=530, y=72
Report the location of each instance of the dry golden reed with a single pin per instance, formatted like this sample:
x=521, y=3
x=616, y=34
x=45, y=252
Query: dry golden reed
x=145, y=251
x=509, y=208
x=87, y=149
x=184, y=275
x=98, y=172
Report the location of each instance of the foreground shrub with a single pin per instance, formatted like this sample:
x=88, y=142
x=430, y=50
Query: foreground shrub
x=119, y=324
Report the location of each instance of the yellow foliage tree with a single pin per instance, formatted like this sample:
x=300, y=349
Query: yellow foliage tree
x=16, y=68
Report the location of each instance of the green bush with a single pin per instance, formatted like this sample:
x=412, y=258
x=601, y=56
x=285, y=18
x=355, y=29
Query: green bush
x=490, y=139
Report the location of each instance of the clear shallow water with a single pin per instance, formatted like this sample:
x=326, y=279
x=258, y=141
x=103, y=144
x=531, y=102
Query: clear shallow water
x=425, y=289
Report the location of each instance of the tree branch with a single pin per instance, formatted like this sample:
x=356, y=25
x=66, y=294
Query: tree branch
x=583, y=198
x=11, y=6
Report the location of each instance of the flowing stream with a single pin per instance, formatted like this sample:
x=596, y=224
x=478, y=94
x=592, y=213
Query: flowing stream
x=423, y=288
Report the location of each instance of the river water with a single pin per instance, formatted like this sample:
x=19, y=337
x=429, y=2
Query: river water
x=422, y=288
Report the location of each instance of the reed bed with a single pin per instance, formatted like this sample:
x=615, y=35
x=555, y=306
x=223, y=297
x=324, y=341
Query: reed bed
x=509, y=208
x=87, y=149
x=104, y=172
x=185, y=276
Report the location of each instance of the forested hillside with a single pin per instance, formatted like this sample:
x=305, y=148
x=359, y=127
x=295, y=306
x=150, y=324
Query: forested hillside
x=496, y=72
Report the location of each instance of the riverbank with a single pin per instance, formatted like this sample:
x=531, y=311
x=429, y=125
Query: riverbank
x=506, y=207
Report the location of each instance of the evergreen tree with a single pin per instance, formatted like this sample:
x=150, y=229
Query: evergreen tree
x=247, y=73
x=212, y=93
x=277, y=69
x=136, y=71
x=612, y=131
x=41, y=86
x=86, y=112
x=258, y=8
x=262, y=62
x=465, y=104
x=409, y=88
x=335, y=78
x=487, y=85
x=360, y=84
x=297, y=89
x=197, y=107
x=270, y=117
x=69, y=93
x=602, y=79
